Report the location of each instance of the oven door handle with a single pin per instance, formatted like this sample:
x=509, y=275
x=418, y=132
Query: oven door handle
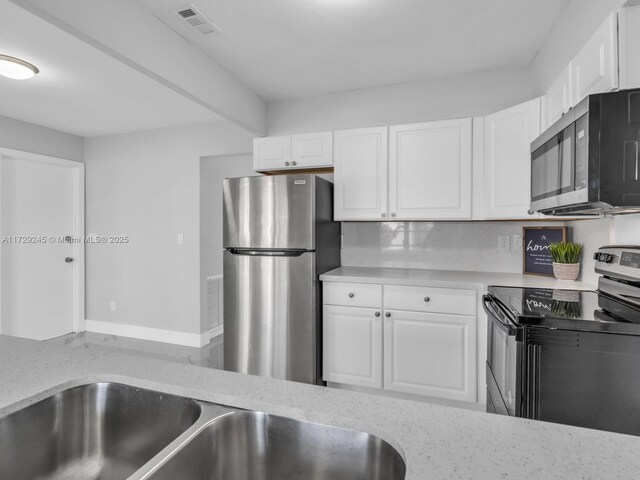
x=489, y=306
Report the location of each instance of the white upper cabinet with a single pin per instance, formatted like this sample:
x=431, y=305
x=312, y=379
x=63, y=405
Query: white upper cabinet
x=312, y=150
x=507, y=160
x=595, y=68
x=309, y=150
x=271, y=153
x=360, y=161
x=629, y=44
x=558, y=99
x=430, y=170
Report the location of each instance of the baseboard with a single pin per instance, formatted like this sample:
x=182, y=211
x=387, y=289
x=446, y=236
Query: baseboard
x=213, y=333
x=147, y=333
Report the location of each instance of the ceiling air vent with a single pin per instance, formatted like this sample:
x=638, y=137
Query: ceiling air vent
x=196, y=19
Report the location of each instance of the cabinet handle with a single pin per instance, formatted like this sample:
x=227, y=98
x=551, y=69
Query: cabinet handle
x=351, y=295
x=384, y=215
x=388, y=314
x=294, y=163
x=393, y=215
x=286, y=164
x=427, y=299
x=377, y=314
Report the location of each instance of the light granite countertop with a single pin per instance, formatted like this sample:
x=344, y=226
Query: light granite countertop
x=437, y=442
x=447, y=278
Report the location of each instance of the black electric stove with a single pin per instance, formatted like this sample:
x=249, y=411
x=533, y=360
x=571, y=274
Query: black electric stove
x=569, y=356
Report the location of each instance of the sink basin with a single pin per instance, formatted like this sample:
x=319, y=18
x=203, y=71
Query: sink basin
x=102, y=431
x=257, y=446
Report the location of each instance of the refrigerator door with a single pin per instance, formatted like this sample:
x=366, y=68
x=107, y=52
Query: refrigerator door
x=269, y=212
x=270, y=325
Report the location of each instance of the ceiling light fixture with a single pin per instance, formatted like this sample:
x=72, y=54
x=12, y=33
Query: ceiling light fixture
x=16, y=69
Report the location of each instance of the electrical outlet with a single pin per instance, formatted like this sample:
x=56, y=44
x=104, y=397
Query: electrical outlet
x=504, y=243
x=112, y=305
x=180, y=238
x=517, y=242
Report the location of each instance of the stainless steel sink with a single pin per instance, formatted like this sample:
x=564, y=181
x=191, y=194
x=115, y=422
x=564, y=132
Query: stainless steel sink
x=258, y=446
x=108, y=431
x=100, y=431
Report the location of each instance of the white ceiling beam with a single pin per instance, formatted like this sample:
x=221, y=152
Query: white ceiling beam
x=126, y=31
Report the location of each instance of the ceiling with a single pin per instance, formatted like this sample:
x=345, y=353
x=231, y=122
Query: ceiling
x=79, y=89
x=286, y=49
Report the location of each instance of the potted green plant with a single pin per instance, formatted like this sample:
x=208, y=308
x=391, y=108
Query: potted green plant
x=566, y=260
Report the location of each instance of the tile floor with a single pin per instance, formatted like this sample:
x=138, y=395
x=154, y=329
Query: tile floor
x=209, y=356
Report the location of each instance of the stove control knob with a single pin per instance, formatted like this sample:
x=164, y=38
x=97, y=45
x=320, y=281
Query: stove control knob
x=596, y=256
x=608, y=258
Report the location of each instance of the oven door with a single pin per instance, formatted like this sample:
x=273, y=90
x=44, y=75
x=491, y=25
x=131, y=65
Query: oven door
x=503, y=363
x=584, y=379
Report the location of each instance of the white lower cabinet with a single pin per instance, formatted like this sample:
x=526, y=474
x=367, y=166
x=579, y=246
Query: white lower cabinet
x=429, y=350
x=430, y=354
x=352, y=346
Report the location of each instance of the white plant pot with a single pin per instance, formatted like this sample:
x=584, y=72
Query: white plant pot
x=566, y=271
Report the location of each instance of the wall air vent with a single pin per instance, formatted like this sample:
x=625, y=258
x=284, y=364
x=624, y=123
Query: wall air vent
x=197, y=20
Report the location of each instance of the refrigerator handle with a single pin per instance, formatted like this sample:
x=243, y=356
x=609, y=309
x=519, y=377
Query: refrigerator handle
x=266, y=253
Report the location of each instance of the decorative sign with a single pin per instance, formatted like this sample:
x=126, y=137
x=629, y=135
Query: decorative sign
x=536, y=257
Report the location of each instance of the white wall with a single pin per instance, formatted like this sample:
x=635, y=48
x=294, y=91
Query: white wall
x=578, y=22
x=452, y=97
x=146, y=185
x=27, y=137
x=626, y=230
x=213, y=170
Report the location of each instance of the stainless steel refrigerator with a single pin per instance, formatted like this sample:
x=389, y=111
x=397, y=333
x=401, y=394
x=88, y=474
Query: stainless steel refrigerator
x=279, y=236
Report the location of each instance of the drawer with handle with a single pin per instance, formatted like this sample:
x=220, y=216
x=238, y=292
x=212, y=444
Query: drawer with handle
x=430, y=299
x=352, y=294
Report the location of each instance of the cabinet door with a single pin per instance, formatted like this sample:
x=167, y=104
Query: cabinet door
x=507, y=160
x=312, y=150
x=352, y=346
x=271, y=153
x=430, y=170
x=595, y=68
x=558, y=99
x=430, y=354
x=360, y=176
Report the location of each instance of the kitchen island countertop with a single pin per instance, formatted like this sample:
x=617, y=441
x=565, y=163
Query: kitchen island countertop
x=437, y=442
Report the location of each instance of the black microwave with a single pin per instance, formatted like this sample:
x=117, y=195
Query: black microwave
x=588, y=162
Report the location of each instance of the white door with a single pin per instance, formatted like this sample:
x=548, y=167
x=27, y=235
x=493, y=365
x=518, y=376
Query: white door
x=312, y=150
x=430, y=170
x=360, y=176
x=36, y=213
x=352, y=346
x=430, y=354
x=507, y=160
x=595, y=68
x=558, y=99
x=271, y=153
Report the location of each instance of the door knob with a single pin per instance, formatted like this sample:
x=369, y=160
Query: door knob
x=286, y=164
x=427, y=299
x=383, y=215
x=351, y=295
x=377, y=314
x=68, y=259
x=393, y=215
x=388, y=314
x=294, y=163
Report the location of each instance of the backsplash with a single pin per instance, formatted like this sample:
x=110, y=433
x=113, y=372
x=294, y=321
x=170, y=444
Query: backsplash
x=466, y=246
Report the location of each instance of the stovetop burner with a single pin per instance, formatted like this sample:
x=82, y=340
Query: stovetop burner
x=567, y=309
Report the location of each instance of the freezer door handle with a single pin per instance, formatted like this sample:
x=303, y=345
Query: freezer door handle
x=266, y=253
